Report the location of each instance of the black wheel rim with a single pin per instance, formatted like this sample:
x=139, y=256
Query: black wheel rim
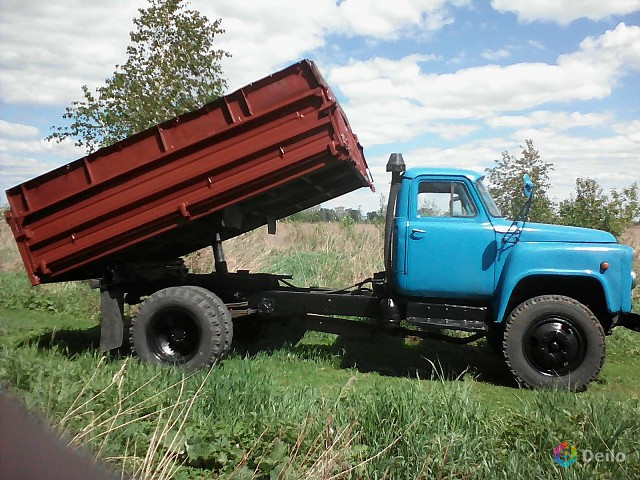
x=554, y=345
x=174, y=336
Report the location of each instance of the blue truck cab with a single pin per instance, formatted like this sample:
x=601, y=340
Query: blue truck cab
x=547, y=294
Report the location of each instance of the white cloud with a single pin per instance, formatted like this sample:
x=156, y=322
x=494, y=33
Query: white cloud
x=33, y=146
x=381, y=18
x=475, y=155
x=49, y=49
x=392, y=100
x=8, y=129
x=458, y=59
x=263, y=36
x=565, y=11
x=15, y=170
x=23, y=155
x=452, y=131
x=536, y=44
x=613, y=160
x=494, y=55
x=555, y=120
x=23, y=139
x=571, y=155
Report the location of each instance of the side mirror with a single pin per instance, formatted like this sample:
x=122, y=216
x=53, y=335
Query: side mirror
x=527, y=185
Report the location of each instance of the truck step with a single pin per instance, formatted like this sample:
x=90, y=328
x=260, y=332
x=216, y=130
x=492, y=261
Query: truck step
x=454, y=317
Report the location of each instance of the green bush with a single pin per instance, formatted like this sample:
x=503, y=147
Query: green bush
x=73, y=298
x=307, y=268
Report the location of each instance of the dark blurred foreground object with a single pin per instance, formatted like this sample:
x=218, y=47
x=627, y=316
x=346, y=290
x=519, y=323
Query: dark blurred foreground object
x=30, y=451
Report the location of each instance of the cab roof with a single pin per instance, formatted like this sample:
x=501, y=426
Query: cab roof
x=442, y=171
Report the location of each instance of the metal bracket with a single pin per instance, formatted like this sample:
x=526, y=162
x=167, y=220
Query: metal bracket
x=271, y=225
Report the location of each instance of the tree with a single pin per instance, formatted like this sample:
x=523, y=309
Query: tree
x=506, y=183
x=354, y=214
x=378, y=217
x=591, y=208
x=172, y=67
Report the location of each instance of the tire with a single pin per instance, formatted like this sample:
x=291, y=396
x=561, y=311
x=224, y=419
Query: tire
x=225, y=315
x=178, y=326
x=554, y=341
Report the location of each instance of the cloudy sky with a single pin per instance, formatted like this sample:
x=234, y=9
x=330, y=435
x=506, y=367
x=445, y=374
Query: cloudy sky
x=446, y=82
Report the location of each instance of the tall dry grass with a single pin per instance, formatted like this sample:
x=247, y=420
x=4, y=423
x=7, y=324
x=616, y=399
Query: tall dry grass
x=632, y=238
x=9, y=255
x=346, y=254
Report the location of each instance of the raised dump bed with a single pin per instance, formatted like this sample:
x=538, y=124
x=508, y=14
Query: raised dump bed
x=263, y=152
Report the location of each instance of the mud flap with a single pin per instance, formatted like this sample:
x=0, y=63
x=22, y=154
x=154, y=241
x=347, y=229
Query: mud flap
x=111, y=319
x=630, y=321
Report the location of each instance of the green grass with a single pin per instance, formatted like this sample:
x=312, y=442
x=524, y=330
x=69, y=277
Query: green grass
x=310, y=268
x=321, y=407
x=383, y=407
x=73, y=298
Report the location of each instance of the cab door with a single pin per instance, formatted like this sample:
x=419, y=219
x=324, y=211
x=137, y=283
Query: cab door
x=450, y=243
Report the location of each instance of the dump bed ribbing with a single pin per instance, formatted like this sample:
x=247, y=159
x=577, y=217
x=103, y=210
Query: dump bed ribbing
x=265, y=151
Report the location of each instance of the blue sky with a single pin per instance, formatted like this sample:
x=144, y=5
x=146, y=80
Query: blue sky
x=445, y=82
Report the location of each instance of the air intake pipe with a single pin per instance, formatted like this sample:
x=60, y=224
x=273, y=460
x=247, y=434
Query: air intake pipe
x=396, y=166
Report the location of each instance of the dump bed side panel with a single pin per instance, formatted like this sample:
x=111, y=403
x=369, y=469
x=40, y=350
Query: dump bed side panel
x=268, y=150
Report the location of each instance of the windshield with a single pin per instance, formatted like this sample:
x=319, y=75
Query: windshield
x=486, y=198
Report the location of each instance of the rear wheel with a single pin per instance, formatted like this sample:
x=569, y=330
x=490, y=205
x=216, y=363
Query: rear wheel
x=554, y=341
x=225, y=315
x=178, y=326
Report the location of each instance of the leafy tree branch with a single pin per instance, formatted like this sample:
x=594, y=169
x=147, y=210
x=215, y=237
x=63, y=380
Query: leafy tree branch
x=172, y=67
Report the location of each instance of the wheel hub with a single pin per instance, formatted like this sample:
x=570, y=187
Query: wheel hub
x=175, y=336
x=178, y=335
x=554, y=346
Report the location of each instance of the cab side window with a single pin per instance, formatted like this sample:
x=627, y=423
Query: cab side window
x=444, y=199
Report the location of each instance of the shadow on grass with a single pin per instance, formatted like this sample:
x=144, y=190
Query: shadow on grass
x=72, y=342
x=387, y=355
x=415, y=357
x=252, y=335
x=69, y=342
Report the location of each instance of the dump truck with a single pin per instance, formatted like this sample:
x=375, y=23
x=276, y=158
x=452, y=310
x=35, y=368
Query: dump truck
x=544, y=296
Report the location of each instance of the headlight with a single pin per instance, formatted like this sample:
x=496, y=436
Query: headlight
x=634, y=279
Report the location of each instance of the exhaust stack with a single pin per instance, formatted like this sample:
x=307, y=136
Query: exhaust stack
x=396, y=166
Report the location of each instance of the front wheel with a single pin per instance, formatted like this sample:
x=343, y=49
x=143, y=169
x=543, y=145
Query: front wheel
x=554, y=341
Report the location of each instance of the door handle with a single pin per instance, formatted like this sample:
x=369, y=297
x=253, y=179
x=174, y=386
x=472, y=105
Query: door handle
x=417, y=233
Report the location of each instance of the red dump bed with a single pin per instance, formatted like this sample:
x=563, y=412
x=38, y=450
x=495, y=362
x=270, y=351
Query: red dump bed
x=270, y=149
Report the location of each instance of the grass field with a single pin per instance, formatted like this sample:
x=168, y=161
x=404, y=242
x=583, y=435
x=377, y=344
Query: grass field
x=324, y=407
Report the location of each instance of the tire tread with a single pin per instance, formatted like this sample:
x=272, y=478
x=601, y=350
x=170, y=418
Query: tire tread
x=212, y=315
x=512, y=320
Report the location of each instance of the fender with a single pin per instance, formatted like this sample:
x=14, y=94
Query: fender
x=518, y=261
